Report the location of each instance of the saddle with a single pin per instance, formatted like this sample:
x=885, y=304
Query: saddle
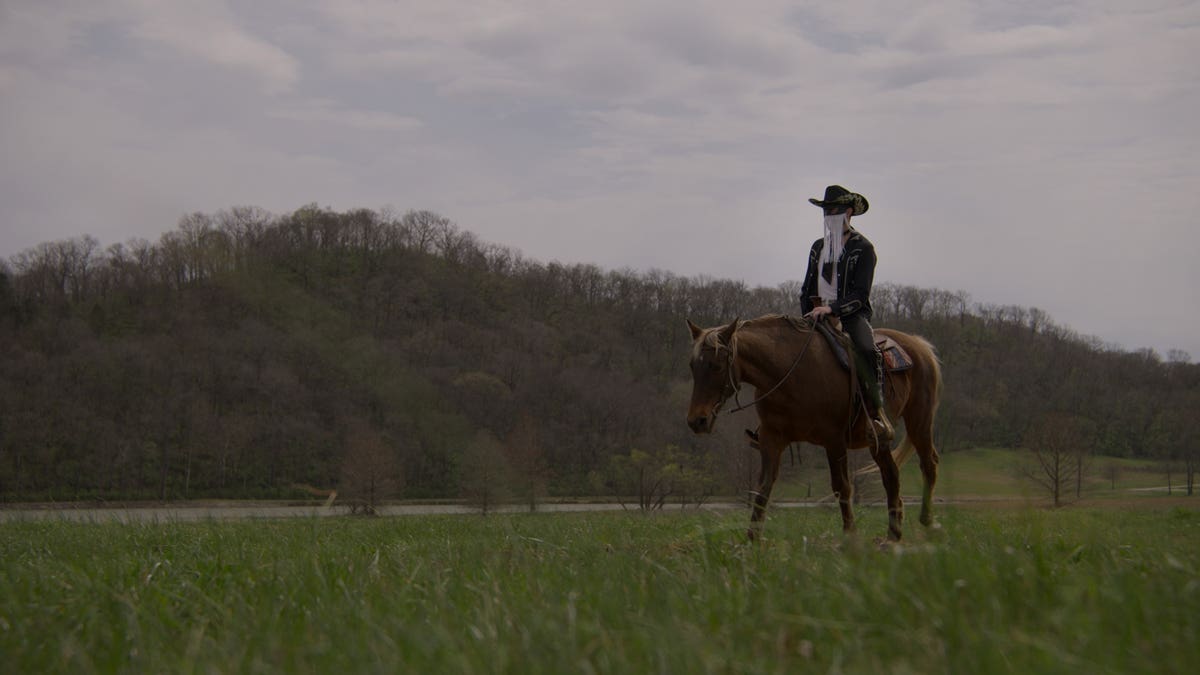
x=895, y=359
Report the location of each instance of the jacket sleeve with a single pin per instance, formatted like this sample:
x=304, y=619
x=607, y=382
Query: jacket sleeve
x=860, y=272
x=809, y=288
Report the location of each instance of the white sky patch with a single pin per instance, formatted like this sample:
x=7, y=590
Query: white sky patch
x=325, y=111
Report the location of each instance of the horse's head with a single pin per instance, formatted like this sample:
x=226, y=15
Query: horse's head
x=713, y=379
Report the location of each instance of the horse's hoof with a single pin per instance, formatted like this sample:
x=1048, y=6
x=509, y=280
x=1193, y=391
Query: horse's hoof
x=886, y=544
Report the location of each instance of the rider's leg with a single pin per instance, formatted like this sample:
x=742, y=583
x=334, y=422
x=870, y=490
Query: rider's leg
x=859, y=330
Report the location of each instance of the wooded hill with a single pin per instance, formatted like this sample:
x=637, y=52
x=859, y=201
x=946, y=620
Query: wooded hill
x=249, y=355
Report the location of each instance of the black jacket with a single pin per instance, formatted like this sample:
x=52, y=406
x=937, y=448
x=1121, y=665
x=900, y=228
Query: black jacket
x=856, y=272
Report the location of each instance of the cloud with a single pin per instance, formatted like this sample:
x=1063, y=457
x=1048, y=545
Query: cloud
x=680, y=135
x=209, y=31
x=326, y=111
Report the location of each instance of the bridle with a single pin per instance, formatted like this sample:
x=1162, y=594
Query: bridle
x=731, y=385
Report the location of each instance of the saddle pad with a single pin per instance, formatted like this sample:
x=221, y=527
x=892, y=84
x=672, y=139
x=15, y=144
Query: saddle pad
x=894, y=356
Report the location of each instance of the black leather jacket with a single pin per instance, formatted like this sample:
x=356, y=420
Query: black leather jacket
x=856, y=273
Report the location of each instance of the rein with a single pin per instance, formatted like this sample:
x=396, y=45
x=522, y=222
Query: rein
x=812, y=332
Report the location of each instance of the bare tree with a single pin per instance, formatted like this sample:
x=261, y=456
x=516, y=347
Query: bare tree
x=1189, y=472
x=485, y=474
x=1111, y=471
x=526, y=456
x=370, y=472
x=1170, y=468
x=1083, y=464
x=1058, y=444
x=1191, y=461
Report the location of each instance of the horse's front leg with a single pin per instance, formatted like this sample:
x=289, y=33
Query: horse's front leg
x=770, y=450
x=839, y=480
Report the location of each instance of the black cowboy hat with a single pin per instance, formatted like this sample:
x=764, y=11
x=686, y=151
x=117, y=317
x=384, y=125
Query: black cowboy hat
x=836, y=195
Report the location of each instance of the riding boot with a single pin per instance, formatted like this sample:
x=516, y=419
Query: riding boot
x=875, y=405
x=870, y=372
x=882, y=427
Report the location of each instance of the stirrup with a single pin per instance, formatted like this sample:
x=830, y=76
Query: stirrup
x=753, y=436
x=883, y=427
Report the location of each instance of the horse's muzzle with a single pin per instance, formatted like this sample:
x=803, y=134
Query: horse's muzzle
x=702, y=424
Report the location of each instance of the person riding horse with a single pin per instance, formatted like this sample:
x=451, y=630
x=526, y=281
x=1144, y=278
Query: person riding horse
x=841, y=268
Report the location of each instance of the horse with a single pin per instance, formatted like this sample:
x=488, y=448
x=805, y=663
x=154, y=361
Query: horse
x=804, y=394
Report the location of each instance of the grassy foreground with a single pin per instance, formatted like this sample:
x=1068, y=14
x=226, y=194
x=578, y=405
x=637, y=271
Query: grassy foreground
x=1077, y=590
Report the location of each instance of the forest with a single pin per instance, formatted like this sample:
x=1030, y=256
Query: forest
x=252, y=355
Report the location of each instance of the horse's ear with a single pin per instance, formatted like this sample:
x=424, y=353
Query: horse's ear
x=726, y=334
x=696, y=330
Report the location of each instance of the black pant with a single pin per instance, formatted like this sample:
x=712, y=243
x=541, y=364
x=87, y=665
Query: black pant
x=863, y=337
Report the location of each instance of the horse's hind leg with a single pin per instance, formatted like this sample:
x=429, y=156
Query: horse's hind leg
x=891, y=485
x=839, y=480
x=921, y=436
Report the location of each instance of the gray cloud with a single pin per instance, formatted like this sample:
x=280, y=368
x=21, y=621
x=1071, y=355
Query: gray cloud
x=1039, y=154
x=209, y=32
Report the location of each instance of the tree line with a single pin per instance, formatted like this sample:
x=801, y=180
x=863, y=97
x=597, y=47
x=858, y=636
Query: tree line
x=247, y=354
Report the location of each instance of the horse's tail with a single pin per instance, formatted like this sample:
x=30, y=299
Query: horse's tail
x=928, y=387
x=901, y=453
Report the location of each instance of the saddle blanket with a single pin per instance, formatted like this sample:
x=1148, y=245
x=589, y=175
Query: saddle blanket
x=894, y=356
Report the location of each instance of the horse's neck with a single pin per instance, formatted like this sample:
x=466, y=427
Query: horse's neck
x=766, y=353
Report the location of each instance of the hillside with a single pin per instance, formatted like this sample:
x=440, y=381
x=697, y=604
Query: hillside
x=246, y=354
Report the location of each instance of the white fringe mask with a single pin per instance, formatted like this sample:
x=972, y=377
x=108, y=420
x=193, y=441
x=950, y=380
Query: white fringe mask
x=835, y=230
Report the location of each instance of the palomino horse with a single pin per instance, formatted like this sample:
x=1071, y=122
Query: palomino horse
x=805, y=395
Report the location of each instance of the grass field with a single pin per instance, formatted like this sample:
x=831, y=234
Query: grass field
x=1098, y=590
x=992, y=473
x=988, y=473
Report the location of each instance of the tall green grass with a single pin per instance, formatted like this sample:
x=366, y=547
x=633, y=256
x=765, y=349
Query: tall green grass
x=1100, y=591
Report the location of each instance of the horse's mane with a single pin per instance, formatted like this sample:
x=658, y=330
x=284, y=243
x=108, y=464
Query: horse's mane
x=711, y=337
x=768, y=320
x=780, y=321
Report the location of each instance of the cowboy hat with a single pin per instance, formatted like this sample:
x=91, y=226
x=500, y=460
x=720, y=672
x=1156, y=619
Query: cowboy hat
x=836, y=195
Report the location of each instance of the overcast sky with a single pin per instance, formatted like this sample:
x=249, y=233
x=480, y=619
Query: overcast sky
x=1037, y=153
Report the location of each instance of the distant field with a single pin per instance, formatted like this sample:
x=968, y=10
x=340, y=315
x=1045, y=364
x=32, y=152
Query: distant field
x=992, y=474
x=1097, y=590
